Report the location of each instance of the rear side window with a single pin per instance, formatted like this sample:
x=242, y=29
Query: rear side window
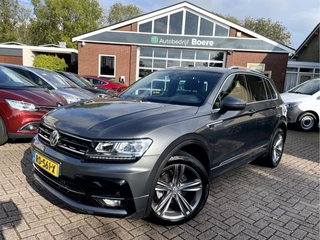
x=256, y=86
x=270, y=90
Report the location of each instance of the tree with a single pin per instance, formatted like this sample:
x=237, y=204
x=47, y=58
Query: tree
x=13, y=20
x=273, y=30
x=50, y=62
x=265, y=27
x=119, y=12
x=60, y=20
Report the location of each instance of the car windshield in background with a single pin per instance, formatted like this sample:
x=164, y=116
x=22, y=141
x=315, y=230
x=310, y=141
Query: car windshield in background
x=308, y=88
x=80, y=81
x=53, y=78
x=182, y=87
x=9, y=78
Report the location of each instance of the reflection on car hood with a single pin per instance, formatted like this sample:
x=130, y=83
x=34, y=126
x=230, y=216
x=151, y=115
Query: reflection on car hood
x=77, y=92
x=38, y=96
x=294, y=97
x=116, y=119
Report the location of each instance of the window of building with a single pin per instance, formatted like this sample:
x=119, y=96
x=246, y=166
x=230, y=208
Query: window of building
x=145, y=27
x=175, y=26
x=206, y=28
x=191, y=26
x=184, y=22
x=153, y=59
x=221, y=31
x=107, y=65
x=160, y=25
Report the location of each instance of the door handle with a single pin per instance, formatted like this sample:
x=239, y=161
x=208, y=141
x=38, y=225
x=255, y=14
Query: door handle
x=273, y=106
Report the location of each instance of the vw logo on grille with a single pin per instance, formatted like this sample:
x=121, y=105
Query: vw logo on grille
x=54, y=138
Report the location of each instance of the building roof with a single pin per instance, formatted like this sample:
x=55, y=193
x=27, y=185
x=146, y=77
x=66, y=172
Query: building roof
x=305, y=43
x=13, y=43
x=178, y=6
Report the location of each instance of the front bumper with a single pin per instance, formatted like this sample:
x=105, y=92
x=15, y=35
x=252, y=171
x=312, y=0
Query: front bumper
x=293, y=114
x=81, y=184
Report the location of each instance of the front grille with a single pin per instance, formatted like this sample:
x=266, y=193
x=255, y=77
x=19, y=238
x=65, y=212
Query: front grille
x=70, y=144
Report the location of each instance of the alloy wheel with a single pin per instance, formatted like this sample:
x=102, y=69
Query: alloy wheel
x=178, y=192
x=277, y=148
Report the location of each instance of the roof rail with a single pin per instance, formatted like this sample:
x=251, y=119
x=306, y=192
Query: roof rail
x=243, y=68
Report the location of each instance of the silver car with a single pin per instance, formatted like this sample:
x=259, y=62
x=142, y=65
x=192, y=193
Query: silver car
x=303, y=104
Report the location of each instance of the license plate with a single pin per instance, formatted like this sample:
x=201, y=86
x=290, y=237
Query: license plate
x=46, y=164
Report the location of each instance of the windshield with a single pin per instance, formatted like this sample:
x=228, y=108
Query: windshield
x=53, y=78
x=308, y=88
x=9, y=78
x=183, y=87
x=80, y=81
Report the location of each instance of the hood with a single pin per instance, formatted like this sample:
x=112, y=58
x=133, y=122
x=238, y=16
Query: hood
x=76, y=92
x=116, y=119
x=294, y=97
x=37, y=96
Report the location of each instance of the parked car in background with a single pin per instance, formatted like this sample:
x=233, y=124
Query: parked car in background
x=85, y=84
x=303, y=104
x=153, y=150
x=110, y=84
x=22, y=104
x=52, y=81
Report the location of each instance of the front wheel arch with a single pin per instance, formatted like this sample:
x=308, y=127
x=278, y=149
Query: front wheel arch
x=174, y=147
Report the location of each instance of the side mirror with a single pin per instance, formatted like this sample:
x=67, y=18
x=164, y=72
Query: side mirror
x=231, y=104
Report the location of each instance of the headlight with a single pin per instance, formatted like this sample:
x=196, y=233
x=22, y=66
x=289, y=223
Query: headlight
x=71, y=99
x=292, y=104
x=20, y=105
x=119, y=150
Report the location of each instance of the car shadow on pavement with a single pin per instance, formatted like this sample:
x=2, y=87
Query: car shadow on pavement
x=10, y=217
x=27, y=170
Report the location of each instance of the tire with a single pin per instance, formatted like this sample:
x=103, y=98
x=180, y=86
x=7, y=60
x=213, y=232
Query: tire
x=175, y=202
x=3, y=132
x=275, y=151
x=307, y=122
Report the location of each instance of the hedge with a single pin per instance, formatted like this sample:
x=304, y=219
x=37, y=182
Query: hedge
x=50, y=62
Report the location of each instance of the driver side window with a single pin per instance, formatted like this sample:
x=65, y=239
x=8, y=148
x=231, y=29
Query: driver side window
x=234, y=86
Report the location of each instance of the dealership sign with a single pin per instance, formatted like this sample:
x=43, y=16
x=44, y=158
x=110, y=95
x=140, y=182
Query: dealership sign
x=198, y=42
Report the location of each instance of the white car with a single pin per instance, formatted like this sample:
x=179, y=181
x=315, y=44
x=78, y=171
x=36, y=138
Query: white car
x=303, y=104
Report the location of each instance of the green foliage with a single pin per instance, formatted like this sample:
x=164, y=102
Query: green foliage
x=119, y=12
x=273, y=30
x=50, y=62
x=265, y=27
x=60, y=20
x=13, y=18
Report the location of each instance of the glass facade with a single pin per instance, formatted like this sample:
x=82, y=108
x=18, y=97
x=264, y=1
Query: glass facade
x=184, y=23
x=153, y=59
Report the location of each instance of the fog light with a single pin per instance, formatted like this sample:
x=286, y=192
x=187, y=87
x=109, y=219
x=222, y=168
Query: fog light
x=30, y=127
x=111, y=202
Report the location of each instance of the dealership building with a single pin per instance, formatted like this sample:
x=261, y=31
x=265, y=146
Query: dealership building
x=182, y=35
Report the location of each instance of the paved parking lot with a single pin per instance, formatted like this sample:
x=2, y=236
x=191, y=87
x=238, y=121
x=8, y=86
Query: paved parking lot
x=251, y=202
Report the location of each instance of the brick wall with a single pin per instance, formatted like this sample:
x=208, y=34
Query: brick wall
x=88, y=59
x=233, y=32
x=129, y=28
x=11, y=59
x=275, y=62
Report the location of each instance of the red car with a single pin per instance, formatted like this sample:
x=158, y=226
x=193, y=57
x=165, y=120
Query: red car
x=110, y=84
x=22, y=104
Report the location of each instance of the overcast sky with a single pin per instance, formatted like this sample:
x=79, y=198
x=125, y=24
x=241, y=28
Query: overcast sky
x=299, y=16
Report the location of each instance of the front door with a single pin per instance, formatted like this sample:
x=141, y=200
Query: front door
x=231, y=134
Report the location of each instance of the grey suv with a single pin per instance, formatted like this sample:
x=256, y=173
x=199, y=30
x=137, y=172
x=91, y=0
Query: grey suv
x=153, y=150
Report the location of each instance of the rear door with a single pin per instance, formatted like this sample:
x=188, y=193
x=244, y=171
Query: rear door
x=264, y=100
x=232, y=134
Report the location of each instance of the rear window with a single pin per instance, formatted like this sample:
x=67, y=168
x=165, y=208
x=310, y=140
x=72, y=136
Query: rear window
x=256, y=86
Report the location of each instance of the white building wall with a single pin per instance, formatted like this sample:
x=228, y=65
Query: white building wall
x=28, y=57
